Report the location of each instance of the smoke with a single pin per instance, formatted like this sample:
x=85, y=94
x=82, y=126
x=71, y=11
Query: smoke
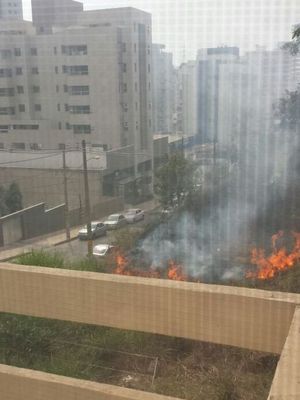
x=250, y=193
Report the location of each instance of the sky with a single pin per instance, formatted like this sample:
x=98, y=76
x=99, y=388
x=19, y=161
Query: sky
x=184, y=26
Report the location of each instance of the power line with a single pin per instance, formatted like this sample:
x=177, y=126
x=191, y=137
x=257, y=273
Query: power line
x=29, y=159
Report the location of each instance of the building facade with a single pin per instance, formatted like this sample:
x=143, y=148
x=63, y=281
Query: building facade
x=163, y=92
x=11, y=9
x=91, y=81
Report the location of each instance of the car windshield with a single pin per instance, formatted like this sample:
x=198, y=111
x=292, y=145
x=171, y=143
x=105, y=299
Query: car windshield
x=101, y=252
x=113, y=217
x=131, y=212
x=94, y=225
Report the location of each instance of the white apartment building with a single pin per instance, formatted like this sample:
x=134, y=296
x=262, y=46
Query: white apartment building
x=163, y=79
x=90, y=80
x=11, y=9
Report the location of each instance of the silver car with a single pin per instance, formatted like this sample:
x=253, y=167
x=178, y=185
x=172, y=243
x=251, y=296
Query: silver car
x=98, y=229
x=134, y=215
x=102, y=250
x=115, y=221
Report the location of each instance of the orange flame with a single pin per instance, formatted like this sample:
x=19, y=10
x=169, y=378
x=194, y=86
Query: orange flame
x=174, y=272
x=279, y=260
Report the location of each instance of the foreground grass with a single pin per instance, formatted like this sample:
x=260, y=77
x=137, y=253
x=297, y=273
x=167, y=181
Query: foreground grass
x=186, y=369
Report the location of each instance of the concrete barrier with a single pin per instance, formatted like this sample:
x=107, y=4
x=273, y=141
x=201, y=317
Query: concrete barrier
x=248, y=318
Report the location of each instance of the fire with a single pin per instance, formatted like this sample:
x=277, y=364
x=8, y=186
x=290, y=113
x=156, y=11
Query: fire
x=174, y=271
x=279, y=260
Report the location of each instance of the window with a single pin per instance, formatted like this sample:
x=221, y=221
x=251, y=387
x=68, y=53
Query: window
x=35, y=89
x=124, y=67
x=37, y=107
x=5, y=72
x=61, y=146
x=1, y=145
x=20, y=89
x=56, y=70
x=124, y=87
x=134, y=46
x=5, y=54
x=79, y=109
x=26, y=127
x=34, y=146
x=135, y=67
x=149, y=68
x=19, y=71
x=21, y=107
x=17, y=52
x=18, y=146
x=123, y=45
x=74, y=50
x=59, y=126
x=34, y=70
x=82, y=129
x=68, y=125
x=79, y=90
x=33, y=51
x=57, y=89
x=7, y=111
x=7, y=92
x=75, y=69
x=55, y=50
x=136, y=86
x=4, y=128
x=58, y=107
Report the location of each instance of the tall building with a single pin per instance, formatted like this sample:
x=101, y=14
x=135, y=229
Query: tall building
x=90, y=80
x=208, y=76
x=163, y=90
x=49, y=13
x=11, y=9
x=186, y=100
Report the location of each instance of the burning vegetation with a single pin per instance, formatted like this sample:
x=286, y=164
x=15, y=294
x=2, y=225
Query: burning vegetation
x=174, y=271
x=285, y=254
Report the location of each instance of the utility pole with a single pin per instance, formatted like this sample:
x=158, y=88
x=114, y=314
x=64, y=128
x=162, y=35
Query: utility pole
x=67, y=221
x=87, y=201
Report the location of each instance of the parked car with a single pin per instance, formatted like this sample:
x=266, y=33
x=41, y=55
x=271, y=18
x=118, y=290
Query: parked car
x=115, y=221
x=102, y=250
x=98, y=229
x=134, y=215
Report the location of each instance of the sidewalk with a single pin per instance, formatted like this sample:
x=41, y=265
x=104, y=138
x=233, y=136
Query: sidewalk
x=53, y=239
x=37, y=243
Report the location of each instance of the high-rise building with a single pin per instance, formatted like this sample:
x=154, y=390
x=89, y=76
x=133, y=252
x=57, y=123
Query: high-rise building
x=11, y=9
x=163, y=77
x=91, y=81
x=49, y=13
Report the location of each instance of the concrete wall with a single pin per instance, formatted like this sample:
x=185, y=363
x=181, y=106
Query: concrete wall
x=241, y=317
x=248, y=318
x=47, y=185
x=36, y=220
x=30, y=222
x=17, y=383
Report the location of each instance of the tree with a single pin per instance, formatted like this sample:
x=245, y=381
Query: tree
x=174, y=181
x=288, y=110
x=13, y=198
x=294, y=45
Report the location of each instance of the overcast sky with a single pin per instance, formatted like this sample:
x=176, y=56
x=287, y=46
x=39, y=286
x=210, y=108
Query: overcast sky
x=187, y=25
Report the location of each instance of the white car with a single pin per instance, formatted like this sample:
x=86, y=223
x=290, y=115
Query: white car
x=134, y=215
x=115, y=221
x=97, y=229
x=102, y=250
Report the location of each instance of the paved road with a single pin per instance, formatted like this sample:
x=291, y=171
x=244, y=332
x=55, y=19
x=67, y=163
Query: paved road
x=77, y=249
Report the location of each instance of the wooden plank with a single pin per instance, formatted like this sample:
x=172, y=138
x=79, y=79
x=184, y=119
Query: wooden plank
x=247, y=318
x=17, y=384
x=286, y=383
